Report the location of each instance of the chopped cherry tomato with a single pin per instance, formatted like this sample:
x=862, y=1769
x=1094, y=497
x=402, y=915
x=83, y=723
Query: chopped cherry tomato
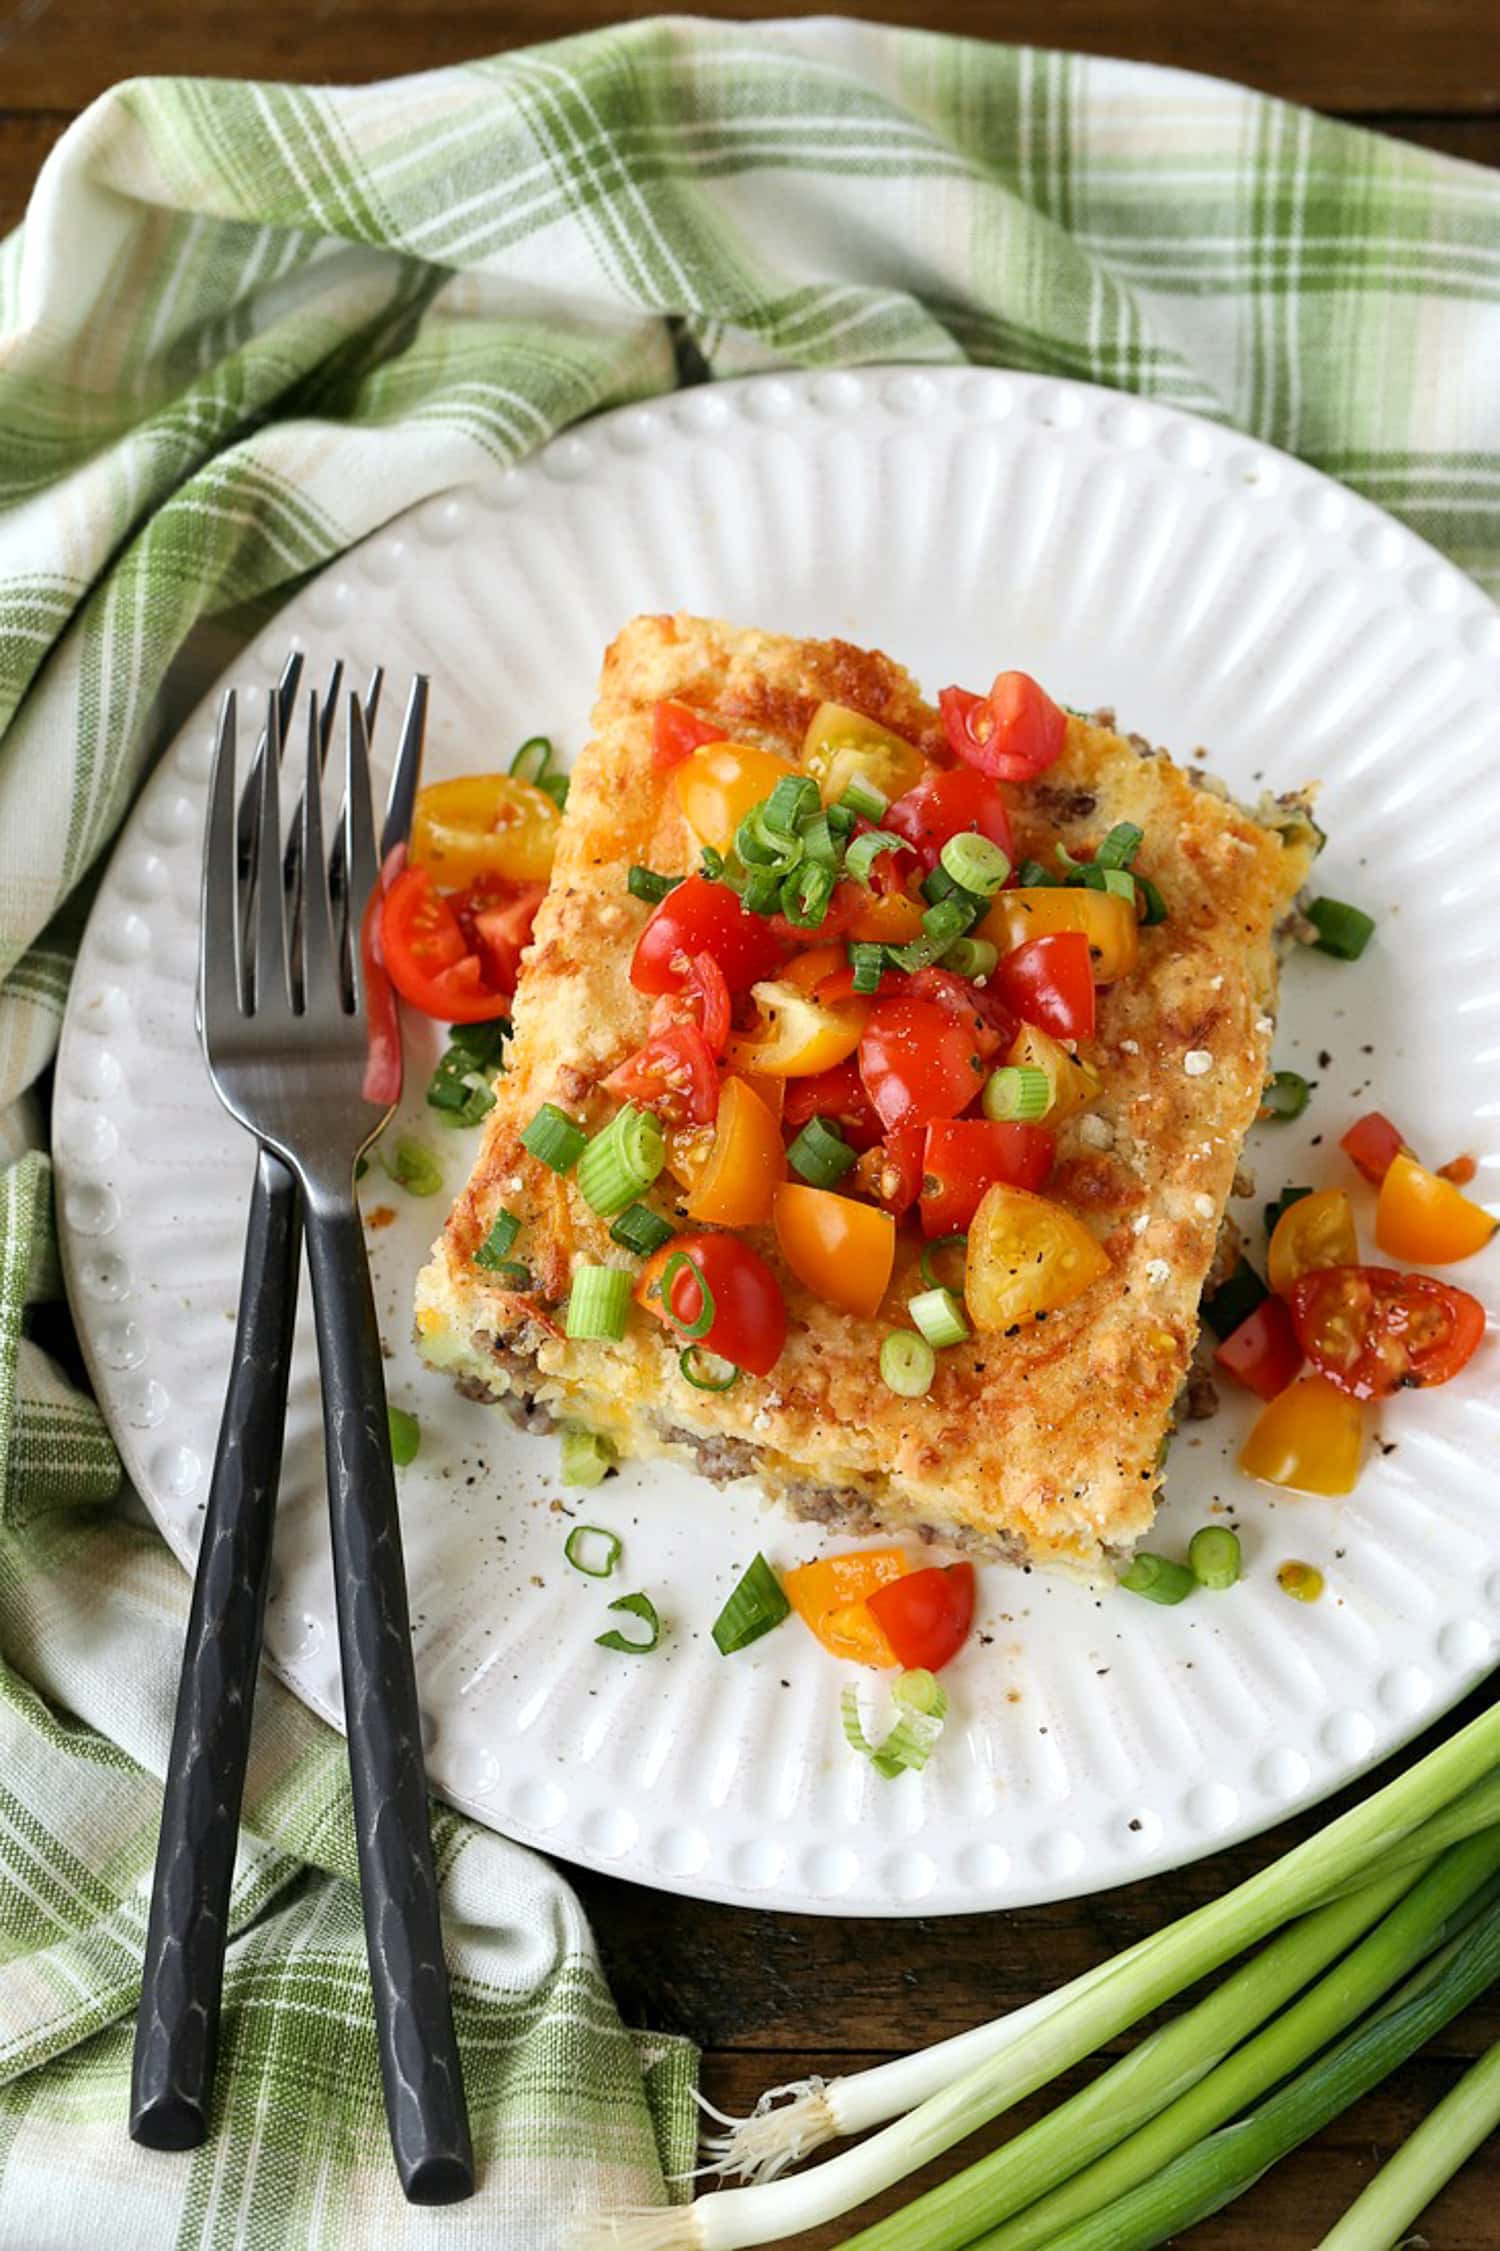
x=948, y=801
x=1071, y=1086
x=980, y=1010
x=484, y=825
x=1371, y=1331
x=1263, y=1352
x=838, y=1095
x=1372, y=1141
x=1460, y=1170
x=674, y=1074
x=503, y=932
x=703, y=1001
x=1422, y=1216
x=926, y=1615
x=735, y=1186
x=719, y=784
x=429, y=959
x=1013, y=734
x=891, y=1173
x=677, y=732
x=1041, y=911
x=703, y=917
x=1314, y=1231
x=831, y=1597
x=843, y=746
x=1049, y=982
x=841, y=1250
x=1309, y=1438
x=962, y=1157
x=918, y=1062
x=885, y=915
x=1026, y=1255
x=797, y=1036
x=747, y=1315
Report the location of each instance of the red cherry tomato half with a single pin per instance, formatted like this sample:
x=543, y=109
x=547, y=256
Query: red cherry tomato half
x=703, y=917
x=961, y=1157
x=838, y=1095
x=502, y=931
x=890, y=1173
x=430, y=961
x=1371, y=1330
x=1263, y=1352
x=674, y=1074
x=918, y=1062
x=927, y=1615
x=1372, y=1141
x=678, y=732
x=1049, y=982
x=747, y=1322
x=1013, y=734
x=704, y=1001
x=980, y=1010
x=947, y=802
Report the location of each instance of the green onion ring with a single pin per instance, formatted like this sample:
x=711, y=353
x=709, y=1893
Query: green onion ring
x=684, y=1262
x=696, y=1365
x=929, y=1253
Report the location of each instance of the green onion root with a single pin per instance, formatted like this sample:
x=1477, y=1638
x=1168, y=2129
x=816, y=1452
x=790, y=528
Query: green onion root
x=1404, y=2188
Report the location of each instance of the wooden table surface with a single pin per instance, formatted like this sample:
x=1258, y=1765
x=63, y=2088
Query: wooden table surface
x=771, y=1997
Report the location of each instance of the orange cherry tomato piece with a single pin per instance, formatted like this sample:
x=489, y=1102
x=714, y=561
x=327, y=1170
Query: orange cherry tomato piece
x=1309, y=1439
x=1422, y=1217
x=841, y=1250
x=745, y=1164
x=718, y=784
x=831, y=1597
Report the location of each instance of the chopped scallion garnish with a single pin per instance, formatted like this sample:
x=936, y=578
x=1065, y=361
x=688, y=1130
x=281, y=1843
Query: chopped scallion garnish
x=587, y=1459
x=412, y=1165
x=866, y=850
x=818, y=841
x=622, y=1161
x=406, y=1435
x=1017, y=1091
x=921, y=1708
x=1284, y=1202
x=1150, y=906
x=554, y=1139
x=641, y=1230
x=806, y=893
x=681, y=1262
x=599, y=1303
x=971, y=957
x=939, y=1316
x=907, y=1364
x=1343, y=931
x=820, y=1154
x=1234, y=1300
x=930, y=1252
x=532, y=759
x=867, y=960
x=482, y=1043
x=1032, y=876
x=865, y=801
x=756, y=1605
x=1158, y=1578
x=975, y=863
x=793, y=800
x=1285, y=1096
x=645, y=883
x=494, y=1252
x=576, y=1547
x=634, y=1606
x=705, y=1371
x=1120, y=846
x=1214, y=1554
x=555, y=786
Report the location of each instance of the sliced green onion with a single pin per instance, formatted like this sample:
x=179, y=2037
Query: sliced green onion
x=412, y=1165
x=794, y=799
x=482, y=1043
x=1158, y=1578
x=820, y=1154
x=907, y=1364
x=755, y=1607
x=635, y=1606
x=712, y=862
x=938, y=884
x=1343, y=931
x=1285, y=1095
x=1407, y=2183
x=939, y=1316
x=866, y=850
x=921, y=1707
x=406, y=1435
x=1214, y=1554
x=705, y=1371
x=763, y=891
x=599, y=1303
x=806, y=893
x=1032, y=876
x=574, y=1549
x=760, y=845
x=1150, y=906
x=457, y=1090
x=556, y=787
x=1283, y=1203
x=975, y=863
x=1119, y=881
x=645, y=883
x=1016, y=1091
x=867, y=960
x=587, y=1459
x=949, y=919
x=641, y=1230
x=532, y=759
x=1235, y=1299
x=622, y=1160
x=554, y=1139
x=841, y=821
x=682, y=1262
x=971, y=957
x=929, y=1254
x=865, y=801
x=1120, y=846
x=494, y=1252
x=818, y=840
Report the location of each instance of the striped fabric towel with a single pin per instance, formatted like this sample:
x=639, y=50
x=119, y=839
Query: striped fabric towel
x=241, y=327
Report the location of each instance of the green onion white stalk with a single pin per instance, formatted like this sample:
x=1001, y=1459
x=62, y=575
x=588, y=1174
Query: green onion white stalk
x=1402, y=2189
x=950, y=2091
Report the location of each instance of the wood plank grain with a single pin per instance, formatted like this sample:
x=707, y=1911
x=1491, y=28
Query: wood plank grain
x=24, y=142
x=1343, y=54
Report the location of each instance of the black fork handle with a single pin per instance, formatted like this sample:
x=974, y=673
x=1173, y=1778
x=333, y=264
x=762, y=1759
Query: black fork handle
x=182, y=1978
x=419, y=2062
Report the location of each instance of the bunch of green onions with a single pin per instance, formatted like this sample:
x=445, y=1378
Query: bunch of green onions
x=1371, y=1936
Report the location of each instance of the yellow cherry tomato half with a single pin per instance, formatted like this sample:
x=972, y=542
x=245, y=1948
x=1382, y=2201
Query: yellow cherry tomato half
x=797, y=1035
x=1026, y=1255
x=1309, y=1438
x=843, y=746
x=1424, y=1218
x=830, y=1598
x=1313, y=1232
x=841, y=1250
x=1071, y=1085
x=483, y=824
x=1047, y=911
x=746, y=1162
x=718, y=784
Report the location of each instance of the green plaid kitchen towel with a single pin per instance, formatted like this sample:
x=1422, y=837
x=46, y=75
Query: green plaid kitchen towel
x=244, y=325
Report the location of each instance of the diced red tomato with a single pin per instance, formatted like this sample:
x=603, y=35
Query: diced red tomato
x=890, y=1173
x=926, y=1616
x=1049, y=982
x=1372, y=1141
x=747, y=1322
x=502, y=932
x=1372, y=1331
x=1263, y=1352
x=947, y=801
x=1013, y=734
x=961, y=1157
x=678, y=732
x=674, y=1074
x=918, y=1062
x=981, y=1010
x=838, y=1095
x=703, y=917
x=704, y=1001
x=430, y=961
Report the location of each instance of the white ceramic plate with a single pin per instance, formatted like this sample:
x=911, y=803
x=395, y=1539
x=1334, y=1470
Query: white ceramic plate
x=1216, y=593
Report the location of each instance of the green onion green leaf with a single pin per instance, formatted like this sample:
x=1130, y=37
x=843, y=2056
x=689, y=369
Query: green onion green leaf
x=1343, y=931
x=1017, y=1091
x=975, y=863
x=705, y=1371
x=635, y=1606
x=929, y=1254
x=622, y=1161
x=406, y=1435
x=599, y=1303
x=412, y=1165
x=1120, y=846
x=1214, y=1554
x=971, y=957
x=1235, y=1299
x=866, y=850
x=645, y=883
x=641, y=1230
x=493, y=1253
x=865, y=801
x=921, y=1707
x=756, y=1606
x=553, y=1138
x=1158, y=1578
x=820, y=1154
x=939, y=1316
x=577, y=1549
x=1285, y=1096
x=587, y=1459
x=682, y=1262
